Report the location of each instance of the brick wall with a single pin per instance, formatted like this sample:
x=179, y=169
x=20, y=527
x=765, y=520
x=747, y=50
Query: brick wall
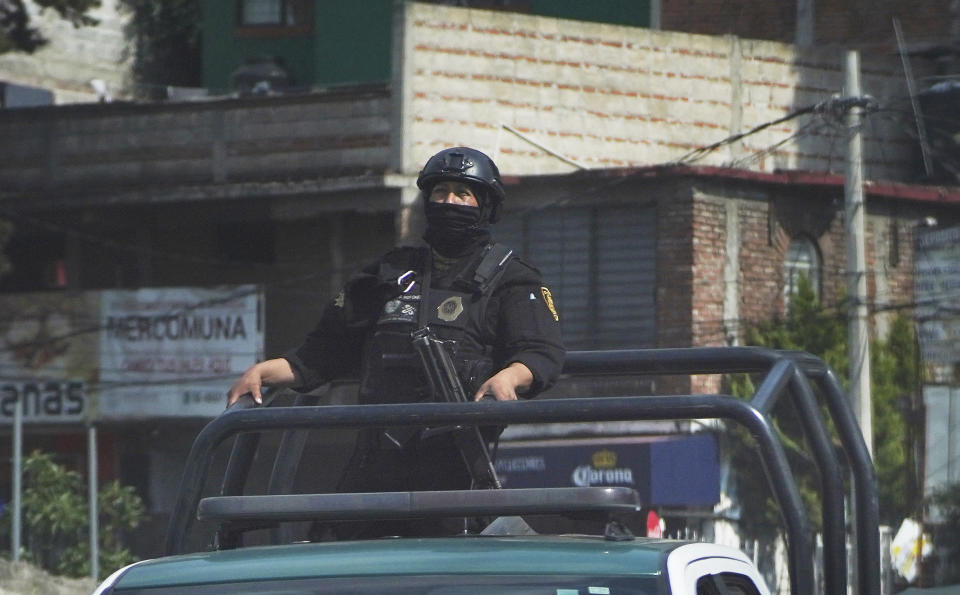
x=691, y=249
x=709, y=252
x=768, y=220
x=609, y=96
x=761, y=280
x=754, y=19
x=709, y=249
x=869, y=24
x=850, y=24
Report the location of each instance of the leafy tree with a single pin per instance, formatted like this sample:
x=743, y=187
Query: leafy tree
x=56, y=524
x=809, y=326
x=165, y=37
x=53, y=509
x=895, y=376
x=18, y=35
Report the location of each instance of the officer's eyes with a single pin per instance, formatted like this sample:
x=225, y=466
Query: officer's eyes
x=441, y=192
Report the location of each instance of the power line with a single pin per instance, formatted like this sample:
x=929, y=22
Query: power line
x=833, y=106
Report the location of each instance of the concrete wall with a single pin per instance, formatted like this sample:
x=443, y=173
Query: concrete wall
x=610, y=96
x=74, y=56
x=139, y=152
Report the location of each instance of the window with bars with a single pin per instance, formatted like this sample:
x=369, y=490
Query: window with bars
x=599, y=263
x=274, y=16
x=802, y=260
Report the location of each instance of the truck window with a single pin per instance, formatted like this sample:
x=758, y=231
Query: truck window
x=727, y=583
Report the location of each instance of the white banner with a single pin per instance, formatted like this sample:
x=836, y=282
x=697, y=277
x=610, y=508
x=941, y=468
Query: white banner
x=173, y=352
x=937, y=288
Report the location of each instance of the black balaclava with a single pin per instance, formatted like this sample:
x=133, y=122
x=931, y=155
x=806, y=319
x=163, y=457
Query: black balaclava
x=456, y=230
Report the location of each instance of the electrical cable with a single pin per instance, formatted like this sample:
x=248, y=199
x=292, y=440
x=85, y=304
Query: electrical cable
x=697, y=154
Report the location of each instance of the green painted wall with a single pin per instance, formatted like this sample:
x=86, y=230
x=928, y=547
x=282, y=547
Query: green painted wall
x=224, y=52
x=351, y=39
x=350, y=43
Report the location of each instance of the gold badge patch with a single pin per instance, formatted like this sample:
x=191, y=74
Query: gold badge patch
x=450, y=309
x=549, y=300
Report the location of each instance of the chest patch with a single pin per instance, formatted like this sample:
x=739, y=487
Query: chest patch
x=403, y=308
x=450, y=309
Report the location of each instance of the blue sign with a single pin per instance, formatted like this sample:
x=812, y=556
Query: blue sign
x=675, y=470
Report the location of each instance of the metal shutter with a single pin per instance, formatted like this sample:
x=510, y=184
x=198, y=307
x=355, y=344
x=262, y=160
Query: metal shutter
x=599, y=265
x=626, y=278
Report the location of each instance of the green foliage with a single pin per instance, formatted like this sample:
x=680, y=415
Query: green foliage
x=53, y=507
x=56, y=523
x=946, y=537
x=894, y=376
x=165, y=36
x=16, y=32
x=810, y=327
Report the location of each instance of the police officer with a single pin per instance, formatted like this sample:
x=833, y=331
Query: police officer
x=491, y=306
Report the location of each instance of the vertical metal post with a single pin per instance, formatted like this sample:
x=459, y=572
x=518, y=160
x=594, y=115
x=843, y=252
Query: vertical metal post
x=804, y=33
x=859, y=344
x=15, y=538
x=93, y=494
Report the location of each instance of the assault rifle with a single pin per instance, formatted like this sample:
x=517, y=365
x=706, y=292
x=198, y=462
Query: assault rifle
x=445, y=384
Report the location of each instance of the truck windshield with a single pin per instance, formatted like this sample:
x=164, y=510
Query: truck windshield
x=428, y=585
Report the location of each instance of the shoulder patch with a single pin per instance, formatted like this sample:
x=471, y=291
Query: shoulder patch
x=548, y=299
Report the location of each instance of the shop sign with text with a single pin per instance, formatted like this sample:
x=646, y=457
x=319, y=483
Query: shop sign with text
x=48, y=356
x=173, y=352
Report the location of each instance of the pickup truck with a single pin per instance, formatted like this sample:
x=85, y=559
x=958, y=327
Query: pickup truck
x=552, y=565
x=509, y=557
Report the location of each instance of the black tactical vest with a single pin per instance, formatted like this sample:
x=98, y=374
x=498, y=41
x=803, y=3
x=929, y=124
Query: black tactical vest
x=391, y=369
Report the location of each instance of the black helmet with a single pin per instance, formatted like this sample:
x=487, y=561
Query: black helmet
x=469, y=166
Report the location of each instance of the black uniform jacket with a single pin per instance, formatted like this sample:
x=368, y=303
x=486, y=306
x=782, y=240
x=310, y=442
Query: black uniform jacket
x=520, y=323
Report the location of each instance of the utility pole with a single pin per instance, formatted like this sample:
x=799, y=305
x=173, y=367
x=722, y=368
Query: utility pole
x=804, y=32
x=93, y=494
x=16, y=523
x=858, y=344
